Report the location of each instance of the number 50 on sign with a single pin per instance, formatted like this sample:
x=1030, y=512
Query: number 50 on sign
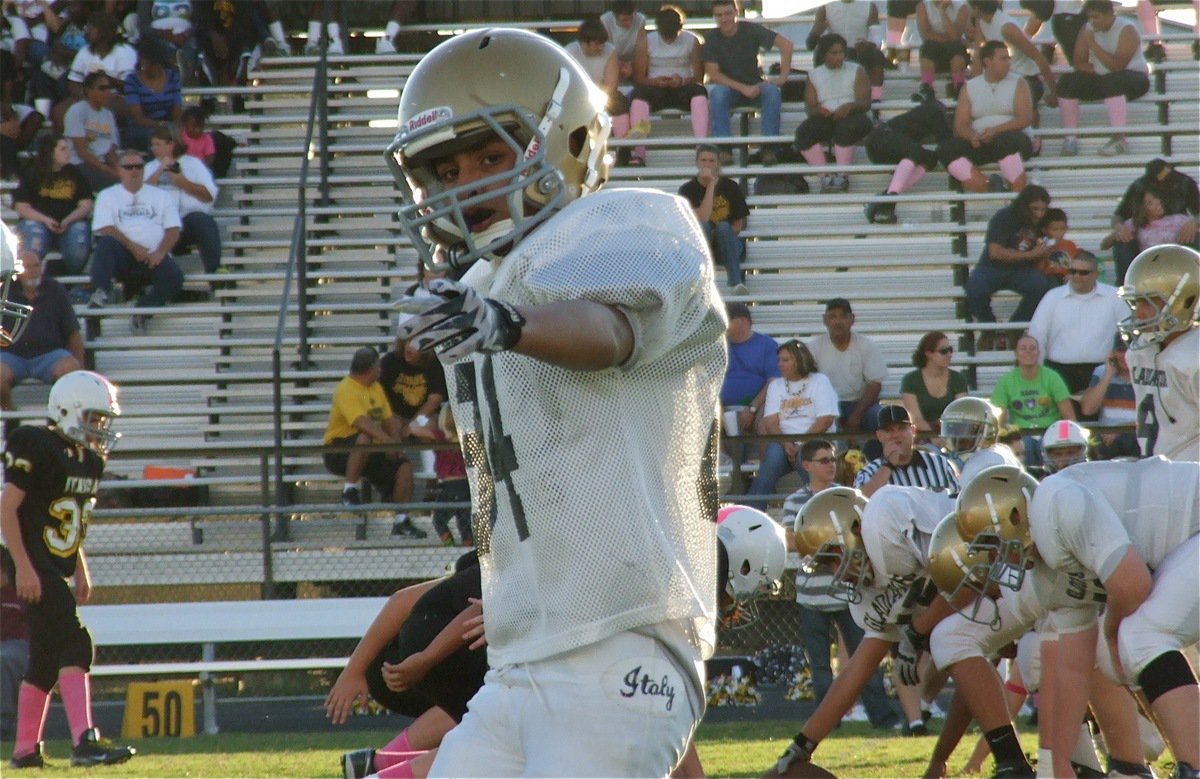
x=160, y=709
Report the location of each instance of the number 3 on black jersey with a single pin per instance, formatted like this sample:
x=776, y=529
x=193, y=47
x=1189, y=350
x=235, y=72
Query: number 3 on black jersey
x=73, y=519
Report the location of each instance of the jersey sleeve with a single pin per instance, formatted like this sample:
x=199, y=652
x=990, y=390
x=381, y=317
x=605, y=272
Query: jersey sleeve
x=350, y=404
x=890, y=534
x=1072, y=528
x=23, y=462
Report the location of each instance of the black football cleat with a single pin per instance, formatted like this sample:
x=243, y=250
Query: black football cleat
x=35, y=759
x=359, y=763
x=92, y=749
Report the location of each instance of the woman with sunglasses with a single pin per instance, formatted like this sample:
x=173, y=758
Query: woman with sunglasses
x=800, y=401
x=927, y=391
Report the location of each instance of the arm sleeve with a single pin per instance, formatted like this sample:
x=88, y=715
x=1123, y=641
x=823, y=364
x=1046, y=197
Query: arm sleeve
x=83, y=190
x=737, y=200
x=874, y=365
x=1000, y=229
x=197, y=172
x=350, y=403
x=79, y=65
x=909, y=382
x=774, y=398
x=1071, y=527
x=1057, y=386
x=1000, y=393
x=958, y=383
x=22, y=466
x=73, y=123
x=824, y=396
x=763, y=36
x=103, y=212
x=1132, y=194
x=1039, y=324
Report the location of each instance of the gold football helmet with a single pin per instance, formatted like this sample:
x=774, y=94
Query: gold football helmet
x=954, y=567
x=828, y=532
x=969, y=425
x=517, y=86
x=13, y=316
x=992, y=515
x=1166, y=277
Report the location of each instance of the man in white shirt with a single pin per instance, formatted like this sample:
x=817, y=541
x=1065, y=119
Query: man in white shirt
x=137, y=226
x=854, y=365
x=1075, y=323
x=191, y=183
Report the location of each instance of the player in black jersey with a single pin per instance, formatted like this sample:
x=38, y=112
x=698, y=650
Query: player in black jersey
x=51, y=475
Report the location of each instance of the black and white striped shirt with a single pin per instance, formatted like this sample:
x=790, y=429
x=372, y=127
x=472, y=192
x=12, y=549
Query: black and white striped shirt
x=932, y=471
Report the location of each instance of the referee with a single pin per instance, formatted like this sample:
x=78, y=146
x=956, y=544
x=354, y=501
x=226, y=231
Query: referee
x=904, y=464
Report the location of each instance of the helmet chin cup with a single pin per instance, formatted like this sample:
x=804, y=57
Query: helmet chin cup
x=1008, y=557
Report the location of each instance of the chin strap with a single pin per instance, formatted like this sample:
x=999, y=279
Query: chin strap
x=553, y=111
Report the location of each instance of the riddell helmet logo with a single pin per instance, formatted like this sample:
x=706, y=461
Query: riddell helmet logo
x=428, y=117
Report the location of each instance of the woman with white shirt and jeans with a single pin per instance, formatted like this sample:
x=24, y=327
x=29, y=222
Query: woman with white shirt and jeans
x=191, y=183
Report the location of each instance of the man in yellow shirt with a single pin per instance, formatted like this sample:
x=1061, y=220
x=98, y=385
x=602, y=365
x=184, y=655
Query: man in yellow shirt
x=360, y=415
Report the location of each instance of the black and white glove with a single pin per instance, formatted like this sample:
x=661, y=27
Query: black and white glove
x=799, y=751
x=908, y=654
x=458, y=321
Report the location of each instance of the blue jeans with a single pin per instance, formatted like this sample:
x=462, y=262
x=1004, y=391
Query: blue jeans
x=771, y=469
x=816, y=633
x=722, y=100
x=74, y=243
x=986, y=279
x=728, y=249
x=201, y=230
x=112, y=260
x=870, y=417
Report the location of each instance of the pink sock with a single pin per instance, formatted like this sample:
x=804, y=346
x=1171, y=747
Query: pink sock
x=620, y=126
x=814, y=155
x=903, y=171
x=927, y=77
x=843, y=154
x=32, y=706
x=639, y=110
x=917, y=174
x=1147, y=18
x=398, y=771
x=1116, y=107
x=1011, y=167
x=76, y=692
x=699, y=106
x=1069, y=108
x=385, y=759
x=960, y=169
x=399, y=744
x=893, y=36
x=877, y=92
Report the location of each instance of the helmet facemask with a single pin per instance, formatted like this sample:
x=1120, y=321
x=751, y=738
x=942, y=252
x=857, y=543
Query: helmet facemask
x=94, y=430
x=851, y=568
x=962, y=436
x=1141, y=333
x=13, y=316
x=1008, y=558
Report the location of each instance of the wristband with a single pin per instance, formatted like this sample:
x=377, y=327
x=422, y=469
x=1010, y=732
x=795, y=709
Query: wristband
x=421, y=420
x=512, y=323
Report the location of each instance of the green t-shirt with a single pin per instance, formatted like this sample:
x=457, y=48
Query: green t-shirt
x=931, y=407
x=1031, y=404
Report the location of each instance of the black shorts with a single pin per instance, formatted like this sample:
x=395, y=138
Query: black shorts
x=941, y=54
x=902, y=9
x=380, y=469
x=679, y=98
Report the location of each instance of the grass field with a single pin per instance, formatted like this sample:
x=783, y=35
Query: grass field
x=727, y=749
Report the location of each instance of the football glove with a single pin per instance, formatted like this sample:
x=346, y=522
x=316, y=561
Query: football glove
x=908, y=654
x=799, y=751
x=457, y=321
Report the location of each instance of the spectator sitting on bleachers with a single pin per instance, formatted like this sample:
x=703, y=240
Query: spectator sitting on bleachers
x=401, y=12
x=735, y=78
x=359, y=415
x=1109, y=66
x=105, y=53
x=904, y=463
x=414, y=383
x=51, y=345
x=927, y=391
x=30, y=38
x=137, y=226
x=68, y=24
x=54, y=202
x=898, y=11
x=753, y=362
x=721, y=210
x=1076, y=322
x=153, y=94
x=989, y=123
x=1012, y=247
x=191, y=184
x=1179, y=195
x=800, y=401
x=598, y=58
x=1110, y=400
x=451, y=470
x=91, y=127
x=19, y=124
x=854, y=365
x=898, y=141
x=667, y=73
x=1053, y=229
x=1032, y=396
x=333, y=31
x=1153, y=226
x=200, y=144
x=858, y=24
x=229, y=33
x=168, y=29
x=626, y=28
x=943, y=25
x=1066, y=20
x=993, y=24
x=837, y=98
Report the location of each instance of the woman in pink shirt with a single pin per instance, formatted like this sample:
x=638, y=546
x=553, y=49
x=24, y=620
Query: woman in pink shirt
x=1149, y=224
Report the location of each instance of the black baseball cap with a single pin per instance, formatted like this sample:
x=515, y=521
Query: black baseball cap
x=841, y=303
x=894, y=415
x=734, y=310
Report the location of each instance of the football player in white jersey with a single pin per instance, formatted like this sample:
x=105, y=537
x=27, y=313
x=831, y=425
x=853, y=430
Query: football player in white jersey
x=584, y=350
x=1135, y=526
x=1161, y=287
x=876, y=550
x=970, y=427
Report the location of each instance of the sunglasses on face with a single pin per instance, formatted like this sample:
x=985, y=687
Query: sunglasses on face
x=946, y=350
x=1080, y=271
x=133, y=166
x=823, y=460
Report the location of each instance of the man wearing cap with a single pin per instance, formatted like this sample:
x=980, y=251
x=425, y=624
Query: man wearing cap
x=360, y=415
x=752, y=364
x=854, y=365
x=1110, y=395
x=904, y=464
x=1075, y=323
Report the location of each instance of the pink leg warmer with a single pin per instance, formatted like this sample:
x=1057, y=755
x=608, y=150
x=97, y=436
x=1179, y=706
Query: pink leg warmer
x=399, y=744
x=1069, y=108
x=76, y=692
x=384, y=759
x=927, y=77
x=1116, y=108
x=877, y=93
x=1147, y=18
x=1011, y=167
x=917, y=174
x=620, y=126
x=960, y=168
x=843, y=154
x=639, y=110
x=814, y=155
x=699, y=106
x=398, y=771
x=900, y=177
x=32, y=706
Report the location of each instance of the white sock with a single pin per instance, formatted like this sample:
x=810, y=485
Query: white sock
x=400, y=519
x=392, y=28
x=349, y=486
x=335, y=31
x=314, y=32
x=276, y=29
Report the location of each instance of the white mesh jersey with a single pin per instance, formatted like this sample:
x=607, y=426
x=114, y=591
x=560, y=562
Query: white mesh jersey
x=595, y=492
x=1089, y=514
x=1166, y=383
x=996, y=454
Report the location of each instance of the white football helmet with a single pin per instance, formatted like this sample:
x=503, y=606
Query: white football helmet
x=757, y=550
x=992, y=515
x=527, y=91
x=13, y=316
x=1168, y=278
x=970, y=425
x=829, y=532
x=1063, y=444
x=82, y=406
